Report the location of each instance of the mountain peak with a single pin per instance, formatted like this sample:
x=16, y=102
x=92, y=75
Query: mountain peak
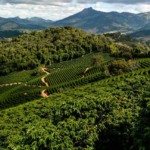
x=88, y=9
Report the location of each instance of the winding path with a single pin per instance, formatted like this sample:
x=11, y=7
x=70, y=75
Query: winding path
x=43, y=93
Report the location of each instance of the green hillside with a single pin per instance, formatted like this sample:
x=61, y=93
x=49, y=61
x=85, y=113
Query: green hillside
x=65, y=89
x=60, y=74
x=104, y=115
x=59, y=44
x=47, y=47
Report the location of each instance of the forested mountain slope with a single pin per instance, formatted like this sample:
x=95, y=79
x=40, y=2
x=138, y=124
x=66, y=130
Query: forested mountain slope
x=60, y=44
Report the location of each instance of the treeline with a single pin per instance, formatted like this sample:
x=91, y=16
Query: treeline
x=129, y=47
x=55, y=45
x=10, y=34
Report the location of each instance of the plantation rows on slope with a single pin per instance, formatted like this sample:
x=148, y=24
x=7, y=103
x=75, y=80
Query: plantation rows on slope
x=17, y=84
x=63, y=78
x=31, y=79
x=87, y=117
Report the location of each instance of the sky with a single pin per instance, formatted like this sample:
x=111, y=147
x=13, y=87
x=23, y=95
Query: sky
x=59, y=9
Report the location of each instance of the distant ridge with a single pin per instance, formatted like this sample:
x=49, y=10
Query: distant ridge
x=88, y=19
x=16, y=23
x=33, y=21
x=100, y=22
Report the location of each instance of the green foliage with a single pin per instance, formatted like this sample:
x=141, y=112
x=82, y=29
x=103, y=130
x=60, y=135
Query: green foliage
x=95, y=116
x=97, y=60
x=18, y=94
x=142, y=132
x=21, y=76
x=10, y=34
x=60, y=44
x=47, y=47
x=107, y=114
x=127, y=47
x=117, y=67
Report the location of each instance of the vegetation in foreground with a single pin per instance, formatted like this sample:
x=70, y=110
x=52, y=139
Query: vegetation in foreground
x=111, y=110
x=101, y=115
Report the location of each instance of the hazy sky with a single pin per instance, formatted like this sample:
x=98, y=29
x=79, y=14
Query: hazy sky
x=58, y=9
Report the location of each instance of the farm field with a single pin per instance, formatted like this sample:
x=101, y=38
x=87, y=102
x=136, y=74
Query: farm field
x=70, y=90
x=59, y=80
x=93, y=109
x=20, y=83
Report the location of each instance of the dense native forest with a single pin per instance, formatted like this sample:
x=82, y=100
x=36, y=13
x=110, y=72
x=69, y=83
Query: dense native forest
x=65, y=89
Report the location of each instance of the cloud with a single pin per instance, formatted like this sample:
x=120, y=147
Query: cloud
x=59, y=9
x=107, y=7
x=52, y=12
x=117, y=1
x=35, y=2
x=54, y=2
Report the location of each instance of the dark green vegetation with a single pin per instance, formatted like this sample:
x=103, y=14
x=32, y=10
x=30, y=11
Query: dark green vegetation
x=101, y=115
x=55, y=45
x=22, y=76
x=9, y=34
x=130, y=48
x=98, y=88
x=62, y=75
x=47, y=47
